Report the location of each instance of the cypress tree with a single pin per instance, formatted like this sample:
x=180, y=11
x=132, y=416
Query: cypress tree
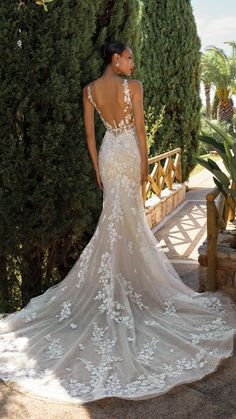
x=48, y=191
x=49, y=201
x=171, y=74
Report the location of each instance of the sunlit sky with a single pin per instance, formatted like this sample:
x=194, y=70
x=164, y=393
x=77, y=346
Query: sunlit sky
x=216, y=21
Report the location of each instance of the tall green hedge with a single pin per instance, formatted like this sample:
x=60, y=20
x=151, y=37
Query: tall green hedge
x=49, y=201
x=170, y=67
x=46, y=180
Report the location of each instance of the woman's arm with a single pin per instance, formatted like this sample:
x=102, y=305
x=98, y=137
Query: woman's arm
x=90, y=133
x=137, y=100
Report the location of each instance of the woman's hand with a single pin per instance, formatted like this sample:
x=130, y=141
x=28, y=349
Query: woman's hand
x=99, y=180
x=144, y=170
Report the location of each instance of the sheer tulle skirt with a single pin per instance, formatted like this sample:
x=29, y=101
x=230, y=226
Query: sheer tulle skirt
x=121, y=323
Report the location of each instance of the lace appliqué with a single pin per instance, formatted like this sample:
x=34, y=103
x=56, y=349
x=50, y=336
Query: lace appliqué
x=55, y=349
x=115, y=216
x=111, y=383
x=65, y=311
x=106, y=294
x=145, y=355
x=109, y=305
x=185, y=364
x=84, y=260
x=151, y=323
x=100, y=370
x=73, y=326
x=127, y=97
x=145, y=247
x=207, y=331
x=104, y=348
x=126, y=123
x=134, y=296
x=170, y=309
x=30, y=315
x=74, y=387
x=210, y=302
x=130, y=247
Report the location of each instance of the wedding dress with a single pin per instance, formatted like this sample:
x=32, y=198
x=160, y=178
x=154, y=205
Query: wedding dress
x=122, y=323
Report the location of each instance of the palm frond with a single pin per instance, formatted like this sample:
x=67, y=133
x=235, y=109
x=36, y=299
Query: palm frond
x=219, y=69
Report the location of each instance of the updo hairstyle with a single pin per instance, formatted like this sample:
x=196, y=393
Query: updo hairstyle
x=110, y=48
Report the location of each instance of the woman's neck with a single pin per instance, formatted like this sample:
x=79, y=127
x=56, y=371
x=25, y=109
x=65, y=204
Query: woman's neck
x=110, y=72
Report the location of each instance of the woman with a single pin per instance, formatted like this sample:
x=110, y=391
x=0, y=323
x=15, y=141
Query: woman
x=117, y=63
x=121, y=323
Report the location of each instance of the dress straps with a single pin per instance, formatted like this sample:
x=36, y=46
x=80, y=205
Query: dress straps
x=126, y=122
x=127, y=97
x=90, y=96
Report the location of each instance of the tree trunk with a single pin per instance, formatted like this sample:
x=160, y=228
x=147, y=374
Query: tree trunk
x=32, y=274
x=207, y=88
x=4, y=291
x=225, y=111
x=214, y=107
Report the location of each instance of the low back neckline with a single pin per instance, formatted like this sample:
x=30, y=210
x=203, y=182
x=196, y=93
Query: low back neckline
x=126, y=123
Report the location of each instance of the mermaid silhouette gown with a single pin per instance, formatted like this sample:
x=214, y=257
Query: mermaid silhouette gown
x=121, y=323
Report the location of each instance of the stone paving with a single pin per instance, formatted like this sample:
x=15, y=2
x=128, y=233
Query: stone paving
x=213, y=397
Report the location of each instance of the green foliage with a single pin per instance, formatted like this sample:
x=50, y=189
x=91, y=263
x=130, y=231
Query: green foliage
x=211, y=132
x=217, y=172
x=234, y=124
x=171, y=75
x=49, y=201
x=219, y=70
x=153, y=121
x=226, y=148
x=215, y=104
x=43, y=3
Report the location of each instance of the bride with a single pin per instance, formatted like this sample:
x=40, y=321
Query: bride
x=122, y=323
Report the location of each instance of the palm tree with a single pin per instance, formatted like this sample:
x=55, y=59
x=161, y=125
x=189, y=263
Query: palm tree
x=220, y=70
x=207, y=88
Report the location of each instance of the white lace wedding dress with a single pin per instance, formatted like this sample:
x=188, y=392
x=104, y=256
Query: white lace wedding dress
x=121, y=323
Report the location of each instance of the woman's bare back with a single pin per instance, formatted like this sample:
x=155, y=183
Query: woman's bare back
x=119, y=103
x=111, y=97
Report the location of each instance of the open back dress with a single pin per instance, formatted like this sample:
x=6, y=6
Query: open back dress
x=121, y=323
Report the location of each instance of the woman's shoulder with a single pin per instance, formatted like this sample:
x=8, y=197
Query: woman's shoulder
x=135, y=85
x=92, y=82
x=135, y=82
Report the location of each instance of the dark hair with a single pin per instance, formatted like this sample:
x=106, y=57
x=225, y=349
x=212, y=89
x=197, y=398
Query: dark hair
x=109, y=48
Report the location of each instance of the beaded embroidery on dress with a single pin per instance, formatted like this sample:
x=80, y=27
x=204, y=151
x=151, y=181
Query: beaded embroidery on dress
x=121, y=323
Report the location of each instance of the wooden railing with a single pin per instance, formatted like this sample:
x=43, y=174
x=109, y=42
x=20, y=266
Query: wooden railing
x=220, y=210
x=167, y=169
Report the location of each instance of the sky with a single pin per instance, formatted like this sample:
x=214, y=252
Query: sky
x=216, y=21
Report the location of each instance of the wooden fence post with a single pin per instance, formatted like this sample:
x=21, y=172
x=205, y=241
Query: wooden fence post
x=211, y=244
